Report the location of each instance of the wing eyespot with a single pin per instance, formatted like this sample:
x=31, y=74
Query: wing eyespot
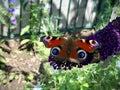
x=82, y=55
x=94, y=43
x=82, y=40
x=55, y=51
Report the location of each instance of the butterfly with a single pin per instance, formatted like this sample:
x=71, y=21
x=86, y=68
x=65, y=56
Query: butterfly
x=69, y=50
x=68, y=53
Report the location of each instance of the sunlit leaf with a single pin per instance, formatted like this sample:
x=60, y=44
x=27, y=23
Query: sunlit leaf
x=5, y=81
x=24, y=41
x=2, y=59
x=12, y=76
x=25, y=30
x=1, y=72
x=86, y=85
x=30, y=76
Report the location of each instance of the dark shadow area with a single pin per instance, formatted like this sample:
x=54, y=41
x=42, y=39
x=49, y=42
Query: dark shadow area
x=3, y=66
x=5, y=49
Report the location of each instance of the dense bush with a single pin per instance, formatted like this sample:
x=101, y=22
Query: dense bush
x=91, y=77
x=40, y=23
x=105, y=8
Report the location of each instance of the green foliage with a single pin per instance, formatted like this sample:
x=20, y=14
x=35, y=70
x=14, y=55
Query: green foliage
x=30, y=77
x=3, y=15
x=32, y=40
x=104, y=13
x=12, y=76
x=25, y=30
x=2, y=77
x=40, y=22
x=48, y=28
x=90, y=77
x=28, y=86
x=5, y=77
x=2, y=60
x=117, y=8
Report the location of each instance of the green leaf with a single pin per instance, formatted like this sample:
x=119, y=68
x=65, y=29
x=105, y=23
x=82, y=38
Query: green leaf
x=2, y=19
x=12, y=26
x=25, y=30
x=24, y=41
x=4, y=81
x=28, y=86
x=12, y=76
x=2, y=77
x=2, y=60
x=85, y=85
x=0, y=51
x=2, y=72
x=30, y=76
x=16, y=77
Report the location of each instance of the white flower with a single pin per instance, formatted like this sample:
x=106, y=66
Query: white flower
x=118, y=64
x=38, y=86
x=47, y=6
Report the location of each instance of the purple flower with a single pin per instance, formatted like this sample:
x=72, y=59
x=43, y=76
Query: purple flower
x=11, y=10
x=109, y=37
x=58, y=63
x=12, y=1
x=14, y=21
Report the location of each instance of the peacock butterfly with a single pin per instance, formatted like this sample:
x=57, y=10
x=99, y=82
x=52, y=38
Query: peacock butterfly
x=70, y=49
x=67, y=53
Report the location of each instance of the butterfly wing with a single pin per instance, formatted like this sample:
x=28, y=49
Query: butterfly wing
x=51, y=42
x=87, y=45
